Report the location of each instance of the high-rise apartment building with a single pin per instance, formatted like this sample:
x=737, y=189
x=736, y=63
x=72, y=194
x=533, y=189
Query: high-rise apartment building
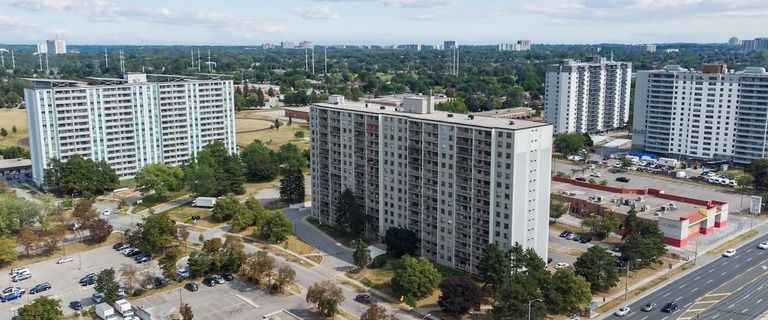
x=129, y=122
x=758, y=44
x=734, y=41
x=54, y=47
x=450, y=44
x=458, y=181
x=708, y=114
x=587, y=96
x=520, y=45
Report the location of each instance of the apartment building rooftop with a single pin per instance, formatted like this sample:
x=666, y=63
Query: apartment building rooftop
x=436, y=116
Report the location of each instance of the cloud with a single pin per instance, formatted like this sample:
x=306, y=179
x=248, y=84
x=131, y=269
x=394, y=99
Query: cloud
x=419, y=3
x=316, y=13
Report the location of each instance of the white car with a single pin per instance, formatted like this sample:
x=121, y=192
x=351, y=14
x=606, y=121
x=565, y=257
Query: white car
x=595, y=174
x=729, y=253
x=64, y=260
x=561, y=265
x=19, y=270
x=623, y=311
x=763, y=245
x=107, y=212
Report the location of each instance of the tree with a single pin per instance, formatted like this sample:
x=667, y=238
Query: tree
x=414, y=277
x=290, y=157
x=186, y=312
x=326, y=296
x=277, y=124
x=231, y=255
x=290, y=121
x=567, y=291
x=257, y=265
x=107, y=285
x=14, y=130
x=28, y=239
x=215, y=172
x=285, y=275
x=7, y=250
x=259, y=98
x=299, y=134
x=3, y=132
x=513, y=297
x=569, y=143
x=626, y=163
x=160, y=178
x=588, y=140
x=758, y=169
x=276, y=227
x=183, y=233
x=459, y=295
x=557, y=209
x=254, y=215
x=227, y=207
x=53, y=236
x=167, y=263
x=362, y=255
x=130, y=274
x=292, y=187
x=84, y=211
x=100, y=229
x=401, y=241
x=643, y=241
x=259, y=162
x=495, y=266
x=80, y=176
x=598, y=267
x=374, y=312
x=154, y=234
x=349, y=216
x=43, y=308
x=199, y=264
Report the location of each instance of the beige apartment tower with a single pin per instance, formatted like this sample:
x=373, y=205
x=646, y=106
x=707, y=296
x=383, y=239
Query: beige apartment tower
x=458, y=181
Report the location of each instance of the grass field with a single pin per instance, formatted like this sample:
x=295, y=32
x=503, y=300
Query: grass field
x=184, y=214
x=274, y=138
x=10, y=118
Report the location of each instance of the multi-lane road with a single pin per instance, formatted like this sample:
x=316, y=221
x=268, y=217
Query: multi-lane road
x=729, y=288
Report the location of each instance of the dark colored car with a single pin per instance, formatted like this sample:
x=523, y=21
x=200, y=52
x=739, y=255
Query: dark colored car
x=76, y=305
x=616, y=248
x=669, y=307
x=565, y=233
x=144, y=257
x=117, y=245
x=585, y=239
x=133, y=253
x=577, y=238
x=191, y=286
x=40, y=288
x=364, y=298
x=622, y=179
x=228, y=276
x=89, y=279
x=581, y=179
x=210, y=281
x=160, y=282
x=120, y=246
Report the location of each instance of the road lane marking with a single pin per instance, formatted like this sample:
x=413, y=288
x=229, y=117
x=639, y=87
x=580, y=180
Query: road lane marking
x=646, y=317
x=718, y=294
x=710, y=270
x=745, y=310
x=678, y=298
x=694, y=289
x=724, y=272
x=665, y=295
x=731, y=306
x=750, y=259
x=681, y=286
x=710, y=281
x=697, y=278
x=686, y=306
x=737, y=266
x=758, y=301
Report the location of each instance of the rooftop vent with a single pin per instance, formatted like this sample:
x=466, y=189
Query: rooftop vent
x=471, y=117
x=366, y=105
x=511, y=123
x=382, y=108
x=450, y=115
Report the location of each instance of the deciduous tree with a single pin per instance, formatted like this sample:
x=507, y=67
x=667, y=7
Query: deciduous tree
x=186, y=312
x=28, y=239
x=557, y=209
x=401, y=241
x=348, y=214
x=130, y=275
x=257, y=265
x=43, y=308
x=568, y=291
x=362, y=255
x=415, y=277
x=285, y=275
x=569, y=143
x=276, y=227
x=227, y=207
x=7, y=250
x=259, y=162
x=167, y=263
x=459, y=295
x=156, y=232
x=107, y=285
x=160, y=179
x=598, y=267
x=292, y=187
x=326, y=296
x=100, y=229
x=495, y=266
x=81, y=176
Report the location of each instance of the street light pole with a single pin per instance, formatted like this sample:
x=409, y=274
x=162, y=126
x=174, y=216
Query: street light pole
x=696, y=251
x=626, y=281
x=427, y=316
x=529, y=306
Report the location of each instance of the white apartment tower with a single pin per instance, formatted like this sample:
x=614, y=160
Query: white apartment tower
x=587, y=96
x=458, y=181
x=128, y=122
x=54, y=47
x=708, y=114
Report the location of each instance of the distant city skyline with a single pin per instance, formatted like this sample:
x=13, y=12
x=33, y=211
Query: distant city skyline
x=244, y=22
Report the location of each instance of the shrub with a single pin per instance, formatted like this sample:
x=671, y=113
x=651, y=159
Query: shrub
x=378, y=262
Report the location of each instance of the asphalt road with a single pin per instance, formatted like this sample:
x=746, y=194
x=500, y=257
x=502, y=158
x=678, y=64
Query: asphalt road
x=729, y=287
x=335, y=254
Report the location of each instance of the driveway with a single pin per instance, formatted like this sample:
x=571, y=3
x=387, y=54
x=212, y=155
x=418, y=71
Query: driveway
x=335, y=255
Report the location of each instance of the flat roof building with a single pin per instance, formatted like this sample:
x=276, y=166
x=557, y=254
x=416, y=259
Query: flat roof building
x=587, y=97
x=129, y=122
x=712, y=114
x=460, y=182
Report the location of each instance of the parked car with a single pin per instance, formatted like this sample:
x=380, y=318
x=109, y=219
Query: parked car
x=120, y=246
x=142, y=258
x=577, y=238
x=581, y=179
x=183, y=273
x=669, y=307
x=15, y=271
x=211, y=282
x=107, y=212
x=228, y=276
x=565, y=233
x=363, y=298
x=622, y=179
x=623, y=311
x=21, y=277
x=130, y=252
x=729, y=253
x=13, y=289
x=76, y=305
x=585, y=239
x=191, y=286
x=616, y=248
x=64, y=260
x=561, y=265
x=219, y=279
x=10, y=296
x=89, y=279
x=763, y=245
x=122, y=292
x=649, y=306
x=45, y=286
x=595, y=174
x=97, y=297
x=570, y=236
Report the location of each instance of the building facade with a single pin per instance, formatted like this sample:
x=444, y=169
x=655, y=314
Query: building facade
x=587, y=96
x=128, y=122
x=757, y=44
x=54, y=47
x=708, y=114
x=459, y=182
x=520, y=45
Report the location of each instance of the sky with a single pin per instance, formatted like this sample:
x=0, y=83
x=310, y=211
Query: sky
x=253, y=22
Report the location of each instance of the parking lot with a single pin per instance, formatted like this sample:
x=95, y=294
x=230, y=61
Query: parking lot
x=64, y=278
x=233, y=300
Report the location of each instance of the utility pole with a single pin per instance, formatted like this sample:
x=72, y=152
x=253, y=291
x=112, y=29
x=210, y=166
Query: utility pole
x=626, y=281
x=106, y=59
x=696, y=251
x=529, y=307
x=313, y=60
x=306, y=60
x=325, y=63
x=13, y=61
x=47, y=69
